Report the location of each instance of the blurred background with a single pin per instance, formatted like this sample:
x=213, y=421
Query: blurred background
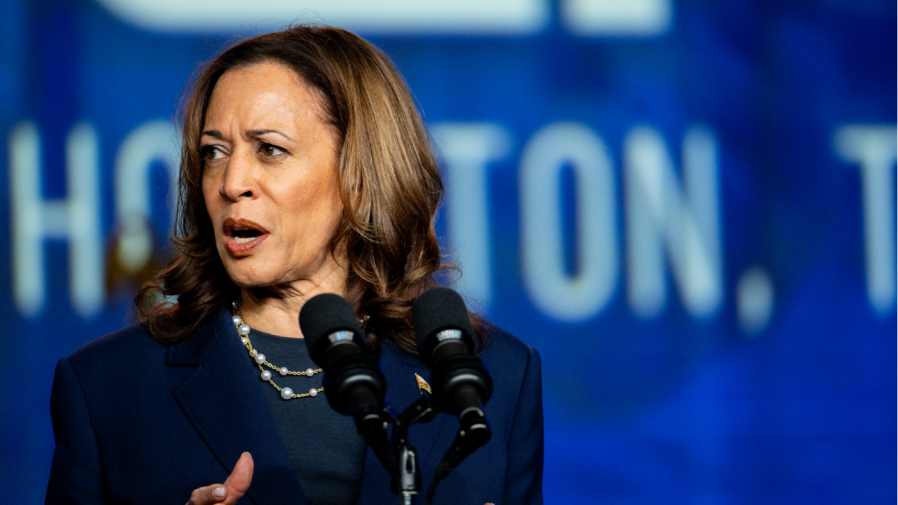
x=687, y=206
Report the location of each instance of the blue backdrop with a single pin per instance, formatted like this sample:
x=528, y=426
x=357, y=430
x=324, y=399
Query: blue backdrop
x=687, y=206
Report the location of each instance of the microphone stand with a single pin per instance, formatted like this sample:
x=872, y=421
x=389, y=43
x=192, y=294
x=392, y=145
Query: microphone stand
x=401, y=459
x=405, y=468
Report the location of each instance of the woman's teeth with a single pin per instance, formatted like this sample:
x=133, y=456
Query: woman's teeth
x=243, y=240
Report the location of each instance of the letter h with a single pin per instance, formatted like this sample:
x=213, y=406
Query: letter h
x=75, y=219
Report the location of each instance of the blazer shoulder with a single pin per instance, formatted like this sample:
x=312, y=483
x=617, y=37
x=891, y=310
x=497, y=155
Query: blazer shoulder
x=131, y=342
x=512, y=364
x=504, y=346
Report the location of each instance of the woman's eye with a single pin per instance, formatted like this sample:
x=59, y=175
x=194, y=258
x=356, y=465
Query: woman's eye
x=270, y=150
x=211, y=153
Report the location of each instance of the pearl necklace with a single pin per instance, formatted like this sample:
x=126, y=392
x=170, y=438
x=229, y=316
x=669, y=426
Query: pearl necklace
x=286, y=393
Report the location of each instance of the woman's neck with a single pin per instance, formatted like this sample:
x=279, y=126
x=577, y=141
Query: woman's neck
x=275, y=309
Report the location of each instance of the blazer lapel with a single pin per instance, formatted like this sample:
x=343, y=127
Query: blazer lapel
x=227, y=409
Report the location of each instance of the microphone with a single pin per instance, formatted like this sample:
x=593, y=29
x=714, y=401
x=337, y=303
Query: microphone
x=460, y=383
x=353, y=382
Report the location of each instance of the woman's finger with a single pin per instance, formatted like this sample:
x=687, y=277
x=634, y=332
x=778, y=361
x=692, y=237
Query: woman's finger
x=232, y=489
x=208, y=495
x=239, y=480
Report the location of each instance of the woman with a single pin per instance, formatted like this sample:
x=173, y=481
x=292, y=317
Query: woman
x=305, y=169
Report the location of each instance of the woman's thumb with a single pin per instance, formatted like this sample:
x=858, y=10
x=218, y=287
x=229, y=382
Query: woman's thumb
x=239, y=480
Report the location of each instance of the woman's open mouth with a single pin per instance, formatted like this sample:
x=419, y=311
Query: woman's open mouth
x=242, y=235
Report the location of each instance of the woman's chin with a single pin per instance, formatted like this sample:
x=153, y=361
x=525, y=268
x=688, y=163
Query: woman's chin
x=244, y=276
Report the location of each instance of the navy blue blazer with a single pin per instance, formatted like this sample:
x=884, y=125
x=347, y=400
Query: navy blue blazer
x=140, y=422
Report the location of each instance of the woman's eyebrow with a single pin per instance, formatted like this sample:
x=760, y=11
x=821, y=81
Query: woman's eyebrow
x=259, y=133
x=213, y=133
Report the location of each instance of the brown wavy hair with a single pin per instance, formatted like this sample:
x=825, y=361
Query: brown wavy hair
x=390, y=188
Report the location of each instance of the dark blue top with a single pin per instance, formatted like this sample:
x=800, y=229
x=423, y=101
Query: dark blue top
x=139, y=422
x=324, y=447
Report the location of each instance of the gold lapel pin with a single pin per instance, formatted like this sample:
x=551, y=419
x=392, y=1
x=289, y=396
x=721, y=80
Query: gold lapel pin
x=422, y=385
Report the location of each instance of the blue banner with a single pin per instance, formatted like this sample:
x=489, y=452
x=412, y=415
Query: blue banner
x=687, y=207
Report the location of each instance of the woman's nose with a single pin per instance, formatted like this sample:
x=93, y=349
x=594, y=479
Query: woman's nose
x=239, y=178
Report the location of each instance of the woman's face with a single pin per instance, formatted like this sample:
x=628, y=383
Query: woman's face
x=270, y=179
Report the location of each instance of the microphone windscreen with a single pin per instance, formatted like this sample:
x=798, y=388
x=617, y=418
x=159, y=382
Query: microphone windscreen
x=321, y=316
x=439, y=309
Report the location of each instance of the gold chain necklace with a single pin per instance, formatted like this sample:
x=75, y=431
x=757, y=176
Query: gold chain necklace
x=286, y=393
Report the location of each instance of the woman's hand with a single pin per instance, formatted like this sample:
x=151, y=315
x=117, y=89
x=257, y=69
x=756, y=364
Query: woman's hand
x=229, y=492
